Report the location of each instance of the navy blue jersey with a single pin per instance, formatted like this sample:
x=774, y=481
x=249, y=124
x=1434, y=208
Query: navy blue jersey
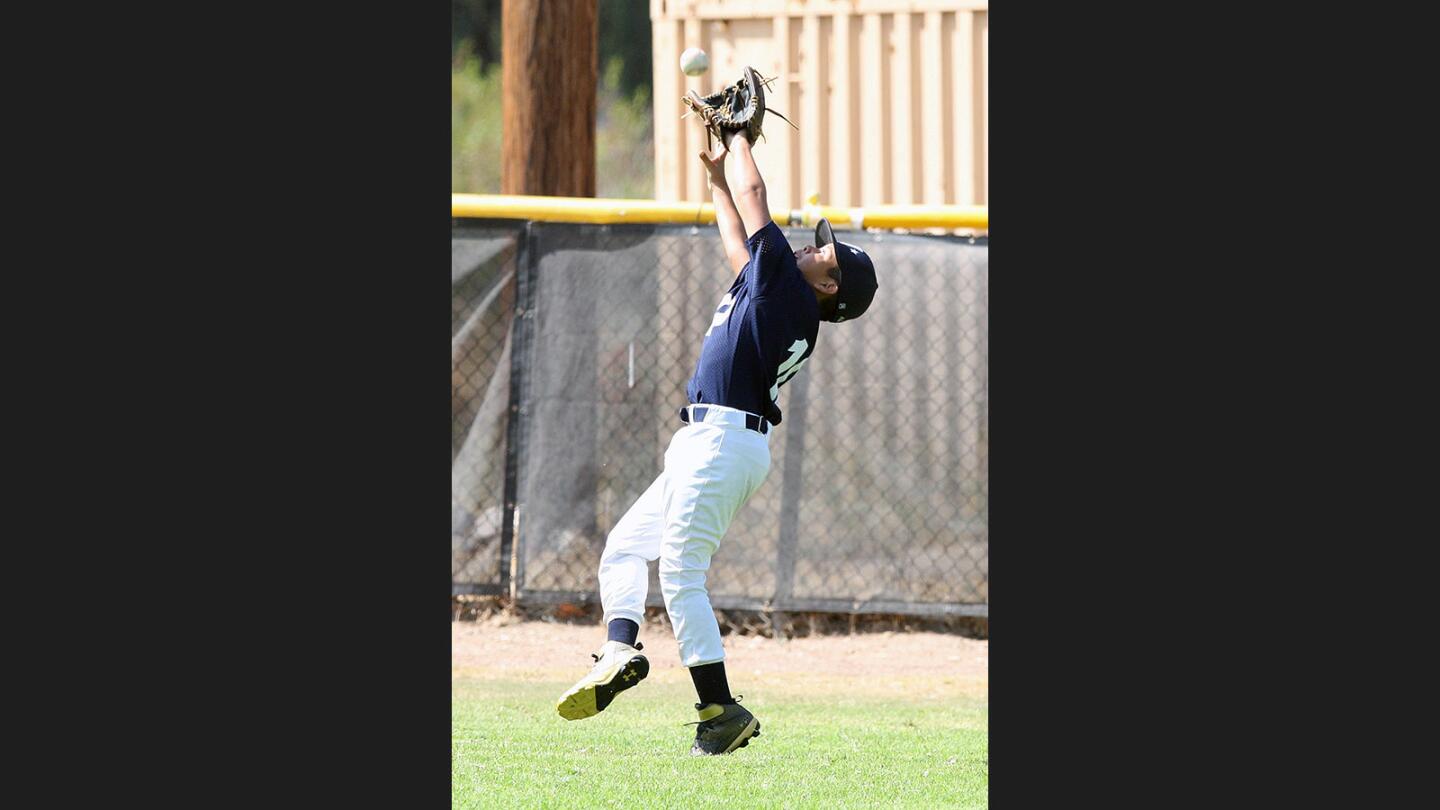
x=762, y=332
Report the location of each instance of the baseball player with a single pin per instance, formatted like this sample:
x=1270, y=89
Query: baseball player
x=762, y=332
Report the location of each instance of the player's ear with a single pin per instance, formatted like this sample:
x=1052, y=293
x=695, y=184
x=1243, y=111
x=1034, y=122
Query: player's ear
x=826, y=285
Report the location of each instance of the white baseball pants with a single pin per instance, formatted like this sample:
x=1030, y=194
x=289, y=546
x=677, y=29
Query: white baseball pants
x=711, y=469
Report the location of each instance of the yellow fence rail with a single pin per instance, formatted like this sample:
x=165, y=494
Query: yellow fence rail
x=604, y=211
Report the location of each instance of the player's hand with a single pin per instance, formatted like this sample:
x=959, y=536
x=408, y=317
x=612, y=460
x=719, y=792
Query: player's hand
x=715, y=166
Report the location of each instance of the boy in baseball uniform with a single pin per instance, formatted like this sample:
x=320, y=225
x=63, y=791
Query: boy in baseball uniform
x=764, y=329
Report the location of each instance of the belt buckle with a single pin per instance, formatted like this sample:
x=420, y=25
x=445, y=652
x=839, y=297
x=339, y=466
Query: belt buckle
x=690, y=414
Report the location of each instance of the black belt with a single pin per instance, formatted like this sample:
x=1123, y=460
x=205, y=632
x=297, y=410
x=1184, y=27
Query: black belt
x=752, y=422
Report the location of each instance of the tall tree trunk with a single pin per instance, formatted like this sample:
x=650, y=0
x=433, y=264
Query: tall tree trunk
x=549, y=68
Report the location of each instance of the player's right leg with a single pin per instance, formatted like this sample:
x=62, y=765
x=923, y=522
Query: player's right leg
x=712, y=473
x=624, y=581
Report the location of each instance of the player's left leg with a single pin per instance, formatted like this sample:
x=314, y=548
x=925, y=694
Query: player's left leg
x=624, y=564
x=624, y=579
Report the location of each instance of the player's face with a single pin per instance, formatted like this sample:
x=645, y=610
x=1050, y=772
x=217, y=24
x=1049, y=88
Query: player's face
x=815, y=263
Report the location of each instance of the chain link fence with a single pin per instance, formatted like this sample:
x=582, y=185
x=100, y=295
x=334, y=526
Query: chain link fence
x=571, y=347
x=483, y=271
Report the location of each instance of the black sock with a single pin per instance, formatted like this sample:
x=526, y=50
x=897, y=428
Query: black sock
x=710, y=683
x=624, y=630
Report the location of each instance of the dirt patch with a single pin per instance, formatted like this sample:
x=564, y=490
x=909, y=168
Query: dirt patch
x=510, y=648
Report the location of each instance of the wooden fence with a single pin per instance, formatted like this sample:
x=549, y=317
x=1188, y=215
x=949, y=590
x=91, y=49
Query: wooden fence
x=890, y=97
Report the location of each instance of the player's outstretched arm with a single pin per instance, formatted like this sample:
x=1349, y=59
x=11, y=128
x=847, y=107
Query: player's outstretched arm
x=746, y=185
x=727, y=218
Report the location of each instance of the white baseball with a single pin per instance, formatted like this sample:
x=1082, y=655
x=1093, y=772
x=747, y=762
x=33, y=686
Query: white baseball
x=693, y=62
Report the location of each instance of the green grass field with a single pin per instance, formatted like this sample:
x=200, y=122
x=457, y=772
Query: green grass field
x=822, y=745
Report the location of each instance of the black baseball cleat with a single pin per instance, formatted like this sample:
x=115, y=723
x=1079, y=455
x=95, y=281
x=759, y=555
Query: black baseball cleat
x=723, y=727
x=618, y=666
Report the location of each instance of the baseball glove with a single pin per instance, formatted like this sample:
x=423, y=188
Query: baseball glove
x=739, y=107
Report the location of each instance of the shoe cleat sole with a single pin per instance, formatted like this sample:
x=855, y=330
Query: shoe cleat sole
x=589, y=698
x=742, y=740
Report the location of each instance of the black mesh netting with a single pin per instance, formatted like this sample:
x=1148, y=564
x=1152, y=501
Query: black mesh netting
x=482, y=304
x=877, y=498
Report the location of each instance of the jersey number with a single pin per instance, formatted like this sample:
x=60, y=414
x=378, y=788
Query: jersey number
x=790, y=367
x=722, y=313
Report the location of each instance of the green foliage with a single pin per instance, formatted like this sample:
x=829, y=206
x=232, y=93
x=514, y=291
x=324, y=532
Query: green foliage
x=625, y=35
x=624, y=139
x=818, y=748
x=474, y=124
x=624, y=131
x=476, y=24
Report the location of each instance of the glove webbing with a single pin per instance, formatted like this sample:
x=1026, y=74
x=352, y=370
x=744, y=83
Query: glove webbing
x=709, y=109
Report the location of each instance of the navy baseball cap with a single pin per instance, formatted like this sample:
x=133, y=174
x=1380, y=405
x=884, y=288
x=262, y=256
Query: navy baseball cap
x=857, y=275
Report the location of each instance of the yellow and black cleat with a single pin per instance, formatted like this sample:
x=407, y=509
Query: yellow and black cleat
x=723, y=727
x=618, y=666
